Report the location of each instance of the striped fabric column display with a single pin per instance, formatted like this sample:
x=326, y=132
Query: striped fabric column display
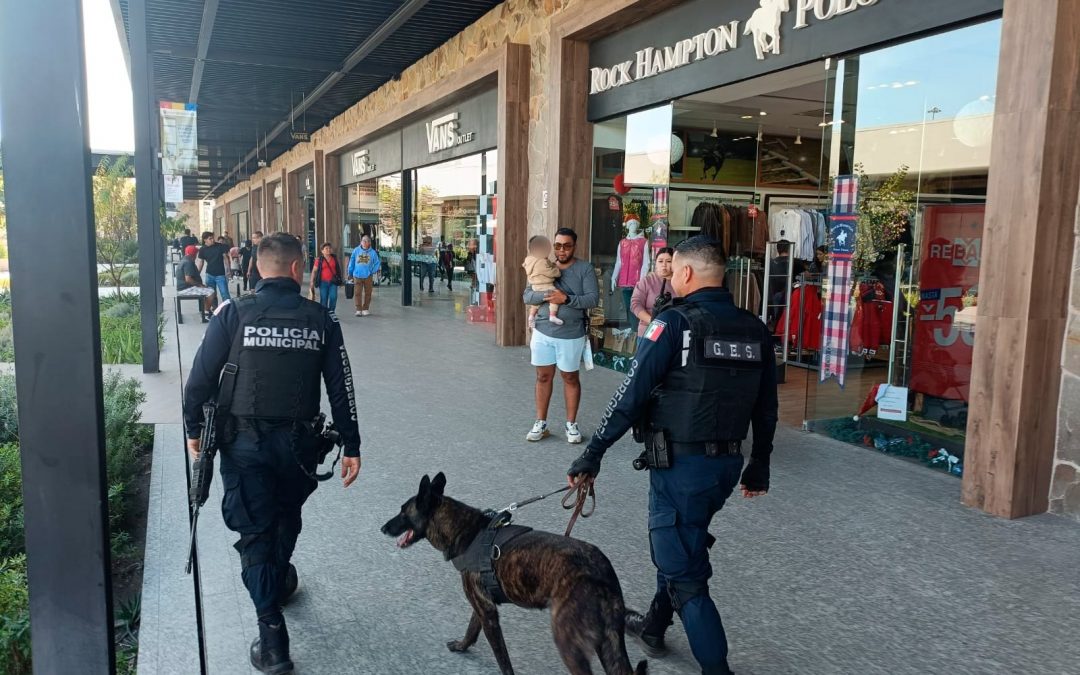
x=837, y=320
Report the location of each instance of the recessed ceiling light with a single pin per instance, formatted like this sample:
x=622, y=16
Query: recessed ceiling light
x=763, y=113
x=747, y=117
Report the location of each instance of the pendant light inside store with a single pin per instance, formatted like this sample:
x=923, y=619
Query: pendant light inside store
x=798, y=137
x=713, y=134
x=760, y=135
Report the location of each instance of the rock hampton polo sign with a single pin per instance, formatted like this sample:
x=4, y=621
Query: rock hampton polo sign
x=746, y=38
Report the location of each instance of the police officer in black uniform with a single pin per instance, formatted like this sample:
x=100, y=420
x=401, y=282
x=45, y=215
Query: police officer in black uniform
x=703, y=373
x=261, y=360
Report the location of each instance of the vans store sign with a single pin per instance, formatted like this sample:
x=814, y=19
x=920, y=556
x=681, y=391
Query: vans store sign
x=462, y=128
x=669, y=55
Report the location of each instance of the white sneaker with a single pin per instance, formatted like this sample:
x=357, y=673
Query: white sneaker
x=359, y=313
x=365, y=312
x=539, y=431
x=573, y=435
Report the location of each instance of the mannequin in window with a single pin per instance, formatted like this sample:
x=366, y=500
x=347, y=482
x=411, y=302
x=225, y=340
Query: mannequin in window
x=630, y=265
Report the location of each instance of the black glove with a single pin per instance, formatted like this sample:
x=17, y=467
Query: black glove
x=755, y=477
x=588, y=463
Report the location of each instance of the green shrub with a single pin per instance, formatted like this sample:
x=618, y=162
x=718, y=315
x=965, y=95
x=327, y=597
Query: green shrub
x=119, y=310
x=9, y=418
x=11, y=502
x=14, y=617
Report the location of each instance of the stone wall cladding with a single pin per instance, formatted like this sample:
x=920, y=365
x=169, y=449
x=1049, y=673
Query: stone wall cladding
x=1065, y=487
x=517, y=21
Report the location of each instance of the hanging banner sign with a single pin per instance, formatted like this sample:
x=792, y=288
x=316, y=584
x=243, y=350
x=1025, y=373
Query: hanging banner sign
x=837, y=318
x=179, y=139
x=948, y=284
x=174, y=189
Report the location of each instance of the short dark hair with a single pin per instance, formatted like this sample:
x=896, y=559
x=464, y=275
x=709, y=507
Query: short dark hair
x=280, y=248
x=257, y=233
x=704, y=249
x=187, y=231
x=566, y=232
x=666, y=249
x=205, y=235
x=783, y=246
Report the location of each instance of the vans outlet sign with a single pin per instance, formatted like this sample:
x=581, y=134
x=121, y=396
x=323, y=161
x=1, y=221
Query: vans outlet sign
x=763, y=28
x=703, y=44
x=443, y=133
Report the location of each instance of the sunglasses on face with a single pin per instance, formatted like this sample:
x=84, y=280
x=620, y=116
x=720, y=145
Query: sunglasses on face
x=563, y=247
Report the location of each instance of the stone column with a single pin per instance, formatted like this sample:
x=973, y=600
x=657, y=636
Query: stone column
x=1065, y=488
x=1026, y=262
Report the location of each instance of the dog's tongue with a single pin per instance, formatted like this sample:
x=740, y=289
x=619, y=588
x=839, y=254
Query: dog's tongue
x=405, y=539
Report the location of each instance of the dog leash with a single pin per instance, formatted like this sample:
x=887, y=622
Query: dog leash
x=575, y=498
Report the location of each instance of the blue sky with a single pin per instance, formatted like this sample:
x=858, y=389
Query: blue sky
x=947, y=71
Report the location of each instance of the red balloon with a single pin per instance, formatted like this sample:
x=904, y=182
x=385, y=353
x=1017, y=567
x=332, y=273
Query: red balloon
x=620, y=186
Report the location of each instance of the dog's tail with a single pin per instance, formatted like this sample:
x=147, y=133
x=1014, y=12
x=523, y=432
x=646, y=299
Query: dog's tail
x=642, y=667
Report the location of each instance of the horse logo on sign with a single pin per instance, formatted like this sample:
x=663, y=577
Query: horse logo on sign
x=765, y=25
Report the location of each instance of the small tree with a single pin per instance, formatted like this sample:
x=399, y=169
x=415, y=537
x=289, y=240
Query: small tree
x=114, y=218
x=172, y=226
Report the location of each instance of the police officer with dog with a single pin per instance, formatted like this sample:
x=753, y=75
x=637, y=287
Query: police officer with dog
x=703, y=373
x=261, y=360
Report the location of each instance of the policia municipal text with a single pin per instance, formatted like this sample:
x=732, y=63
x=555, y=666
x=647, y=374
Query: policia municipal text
x=704, y=371
x=261, y=360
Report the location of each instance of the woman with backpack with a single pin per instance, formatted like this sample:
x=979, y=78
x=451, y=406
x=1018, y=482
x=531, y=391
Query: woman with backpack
x=326, y=275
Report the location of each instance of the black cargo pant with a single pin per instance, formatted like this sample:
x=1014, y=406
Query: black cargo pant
x=265, y=489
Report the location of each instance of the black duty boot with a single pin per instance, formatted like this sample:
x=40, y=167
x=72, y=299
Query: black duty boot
x=270, y=651
x=289, y=585
x=649, y=629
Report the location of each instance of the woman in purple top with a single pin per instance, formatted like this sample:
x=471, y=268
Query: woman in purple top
x=651, y=287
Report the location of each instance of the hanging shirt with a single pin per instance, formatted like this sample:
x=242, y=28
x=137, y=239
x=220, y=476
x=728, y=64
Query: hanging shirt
x=785, y=224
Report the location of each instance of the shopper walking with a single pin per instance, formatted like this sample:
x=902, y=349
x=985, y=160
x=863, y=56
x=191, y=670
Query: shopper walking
x=326, y=276
x=213, y=261
x=252, y=266
x=561, y=346
x=363, y=266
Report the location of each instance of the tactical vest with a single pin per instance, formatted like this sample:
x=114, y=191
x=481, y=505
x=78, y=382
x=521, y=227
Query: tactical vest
x=278, y=352
x=712, y=395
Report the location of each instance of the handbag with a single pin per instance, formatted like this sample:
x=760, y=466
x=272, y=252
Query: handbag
x=350, y=288
x=663, y=301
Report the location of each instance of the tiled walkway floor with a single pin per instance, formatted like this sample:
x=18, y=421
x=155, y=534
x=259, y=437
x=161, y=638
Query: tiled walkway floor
x=855, y=563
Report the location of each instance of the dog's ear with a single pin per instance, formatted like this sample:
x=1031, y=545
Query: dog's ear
x=438, y=484
x=425, y=485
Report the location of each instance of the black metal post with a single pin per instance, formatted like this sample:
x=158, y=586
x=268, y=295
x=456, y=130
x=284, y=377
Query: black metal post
x=146, y=177
x=406, y=236
x=57, y=337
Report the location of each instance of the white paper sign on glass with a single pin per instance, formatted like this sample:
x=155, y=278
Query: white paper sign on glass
x=892, y=403
x=648, y=147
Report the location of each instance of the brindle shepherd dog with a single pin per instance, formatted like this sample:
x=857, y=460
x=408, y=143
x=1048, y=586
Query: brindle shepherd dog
x=539, y=570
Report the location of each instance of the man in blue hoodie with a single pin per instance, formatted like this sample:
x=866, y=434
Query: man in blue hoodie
x=363, y=266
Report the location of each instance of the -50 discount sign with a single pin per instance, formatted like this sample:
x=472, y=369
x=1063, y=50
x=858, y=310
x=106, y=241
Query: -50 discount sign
x=952, y=250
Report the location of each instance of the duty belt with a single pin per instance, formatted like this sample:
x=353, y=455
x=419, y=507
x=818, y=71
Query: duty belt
x=711, y=448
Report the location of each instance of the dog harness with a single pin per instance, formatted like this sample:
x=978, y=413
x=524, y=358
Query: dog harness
x=488, y=546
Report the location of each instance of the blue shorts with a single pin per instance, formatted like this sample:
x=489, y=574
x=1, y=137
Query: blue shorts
x=563, y=353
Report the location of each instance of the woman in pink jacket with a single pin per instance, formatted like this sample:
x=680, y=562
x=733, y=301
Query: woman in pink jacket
x=652, y=287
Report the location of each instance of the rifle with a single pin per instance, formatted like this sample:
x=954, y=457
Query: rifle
x=202, y=473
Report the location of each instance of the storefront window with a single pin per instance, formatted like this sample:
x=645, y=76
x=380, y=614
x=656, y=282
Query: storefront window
x=915, y=122
x=373, y=208
x=753, y=164
x=454, y=219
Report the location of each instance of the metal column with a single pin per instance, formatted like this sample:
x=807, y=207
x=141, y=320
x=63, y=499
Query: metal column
x=57, y=335
x=147, y=180
x=406, y=236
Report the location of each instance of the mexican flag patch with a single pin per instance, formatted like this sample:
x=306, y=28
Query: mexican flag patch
x=655, y=330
